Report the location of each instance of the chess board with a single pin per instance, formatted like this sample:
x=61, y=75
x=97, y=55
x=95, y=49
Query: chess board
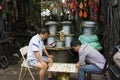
x=63, y=67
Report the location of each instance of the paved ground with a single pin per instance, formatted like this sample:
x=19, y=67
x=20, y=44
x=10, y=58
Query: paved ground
x=12, y=73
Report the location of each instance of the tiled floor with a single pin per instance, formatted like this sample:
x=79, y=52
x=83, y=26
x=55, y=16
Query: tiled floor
x=12, y=73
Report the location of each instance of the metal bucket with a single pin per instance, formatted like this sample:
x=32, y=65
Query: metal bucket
x=88, y=31
x=88, y=27
x=50, y=40
x=89, y=24
x=66, y=26
x=68, y=40
x=59, y=44
x=52, y=27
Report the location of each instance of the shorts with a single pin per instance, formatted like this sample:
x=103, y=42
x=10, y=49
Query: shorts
x=33, y=62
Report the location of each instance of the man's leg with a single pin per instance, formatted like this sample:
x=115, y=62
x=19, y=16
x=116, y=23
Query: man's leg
x=42, y=73
x=50, y=62
x=87, y=68
x=37, y=64
x=43, y=70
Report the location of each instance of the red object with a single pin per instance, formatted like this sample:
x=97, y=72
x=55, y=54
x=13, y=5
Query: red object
x=73, y=5
x=95, y=8
x=80, y=13
x=1, y=7
x=85, y=14
x=89, y=3
x=96, y=1
x=81, y=5
x=95, y=17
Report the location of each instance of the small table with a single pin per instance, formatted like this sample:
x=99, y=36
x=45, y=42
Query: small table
x=63, y=68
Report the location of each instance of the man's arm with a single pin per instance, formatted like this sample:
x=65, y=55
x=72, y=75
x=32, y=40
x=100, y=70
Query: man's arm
x=46, y=53
x=78, y=64
x=38, y=56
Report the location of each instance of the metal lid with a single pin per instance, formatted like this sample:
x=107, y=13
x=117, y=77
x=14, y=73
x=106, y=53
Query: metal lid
x=66, y=22
x=51, y=23
x=88, y=24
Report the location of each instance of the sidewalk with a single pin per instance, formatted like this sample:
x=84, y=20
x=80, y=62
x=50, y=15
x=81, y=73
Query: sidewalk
x=12, y=73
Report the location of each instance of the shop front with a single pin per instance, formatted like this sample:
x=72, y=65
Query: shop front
x=92, y=22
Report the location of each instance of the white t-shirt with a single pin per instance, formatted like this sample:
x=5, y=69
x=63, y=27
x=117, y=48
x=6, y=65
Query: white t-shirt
x=35, y=44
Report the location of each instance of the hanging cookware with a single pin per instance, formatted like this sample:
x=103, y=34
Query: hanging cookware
x=81, y=7
x=85, y=9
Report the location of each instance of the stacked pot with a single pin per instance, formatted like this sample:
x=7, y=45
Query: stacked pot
x=66, y=29
x=52, y=30
x=66, y=33
x=88, y=36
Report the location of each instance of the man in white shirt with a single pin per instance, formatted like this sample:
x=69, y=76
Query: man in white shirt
x=87, y=54
x=36, y=49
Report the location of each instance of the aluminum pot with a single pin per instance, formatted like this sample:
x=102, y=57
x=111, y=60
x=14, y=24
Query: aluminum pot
x=59, y=44
x=66, y=26
x=50, y=40
x=88, y=24
x=68, y=40
x=52, y=26
x=88, y=27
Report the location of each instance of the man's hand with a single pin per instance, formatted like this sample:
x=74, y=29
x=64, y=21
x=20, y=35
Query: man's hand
x=78, y=65
x=50, y=56
x=50, y=61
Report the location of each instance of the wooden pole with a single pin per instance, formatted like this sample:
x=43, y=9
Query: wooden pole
x=41, y=11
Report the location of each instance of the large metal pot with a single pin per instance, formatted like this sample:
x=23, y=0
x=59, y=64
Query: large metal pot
x=52, y=26
x=88, y=27
x=66, y=27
